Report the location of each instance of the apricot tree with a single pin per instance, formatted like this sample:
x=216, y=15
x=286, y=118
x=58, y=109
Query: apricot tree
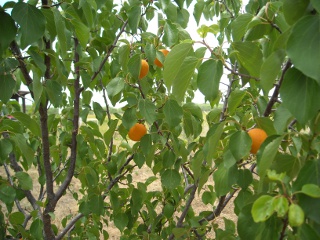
x=263, y=71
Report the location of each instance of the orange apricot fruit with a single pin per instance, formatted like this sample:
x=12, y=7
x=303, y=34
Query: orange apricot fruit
x=144, y=69
x=137, y=131
x=257, y=136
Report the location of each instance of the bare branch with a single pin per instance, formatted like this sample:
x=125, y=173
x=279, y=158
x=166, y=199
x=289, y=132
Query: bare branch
x=69, y=226
x=275, y=94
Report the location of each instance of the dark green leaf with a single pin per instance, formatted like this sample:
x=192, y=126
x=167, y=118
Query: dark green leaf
x=6, y=148
x=209, y=75
x=54, y=91
x=61, y=32
x=316, y=5
x=7, y=193
x=134, y=65
x=121, y=221
x=300, y=95
x=16, y=218
x=134, y=15
x=7, y=85
x=173, y=113
x=8, y=31
x=286, y=163
x=250, y=56
x=224, y=178
x=235, y=100
x=25, y=181
x=170, y=178
x=28, y=122
x=240, y=144
x=36, y=229
x=306, y=32
x=294, y=10
x=270, y=69
x=212, y=141
x=82, y=32
x=31, y=20
x=24, y=147
x=171, y=33
x=174, y=61
x=99, y=112
x=266, y=156
x=129, y=118
x=244, y=178
x=148, y=110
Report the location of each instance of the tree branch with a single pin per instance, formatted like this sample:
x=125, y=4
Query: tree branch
x=274, y=97
x=76, y=107
x=186, y=209
x=69, y=226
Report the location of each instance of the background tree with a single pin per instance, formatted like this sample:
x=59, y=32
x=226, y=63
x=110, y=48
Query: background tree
x=67, y=51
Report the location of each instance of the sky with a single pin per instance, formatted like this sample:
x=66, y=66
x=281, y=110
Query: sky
x=191, y=29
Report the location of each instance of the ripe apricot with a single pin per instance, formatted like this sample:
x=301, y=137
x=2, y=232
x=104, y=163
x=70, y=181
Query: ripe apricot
x=144, y=69
x=137, y=131
x=157, y=62
x=258, y=136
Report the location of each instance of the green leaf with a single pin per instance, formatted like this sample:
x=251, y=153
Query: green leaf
x=308, y=174
x=174, y=61
x=170, y=178
x=31, y=20
x=212, y=141
x=250, y=56
x=7, y=85
x=8, y=31
x=28, y=122
x=198, y=8
x=24, y=147
x=121, y=220
x=282, y=116
x=224, y=178
x=88, y=177
x=6, y=148
x=148, y=110
x=294, y=10
x=300, y=95
x=82, y=32
x=171, y=34
x=295, y=215
x=306, y=32
x=266, y=156
x=181, y=83
x=16, y=218
x=315, y=4
x=270, y=69
x=280, y=205
x=247, y=228
x=61, y=32
x=137, y=198
x=114, y=87
x=244, y=178
x=25, y=181
x=209, y=75
x=286, y=163
x=7, y=194
x=239, y=26
x=311, y=190
x=129, y=118
x=112, y=124
x=172, y=113
x=262, y=208
x=54, y=91
x=134, y=65
x=36, y=229
x=96, y=204
x=235, y=100
x=99, y=112
x=134, y=15
x=240, y=144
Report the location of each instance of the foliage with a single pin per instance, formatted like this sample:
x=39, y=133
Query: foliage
x=66, y=51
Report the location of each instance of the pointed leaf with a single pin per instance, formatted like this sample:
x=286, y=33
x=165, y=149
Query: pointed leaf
x=7, y=85
x=240, y=144
x=270, y=69
x=306, y=32
x=250, y=56
x=174, y=61
x=31, y=20
x=99, y=112
x=173, y=113
x=262, y=208
x=61, y=31
x=28, y=122
x=8, y=31
x=170, y=178
x=209, y=75
x=148, y=110
x=24, y=180
x=300, y=95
